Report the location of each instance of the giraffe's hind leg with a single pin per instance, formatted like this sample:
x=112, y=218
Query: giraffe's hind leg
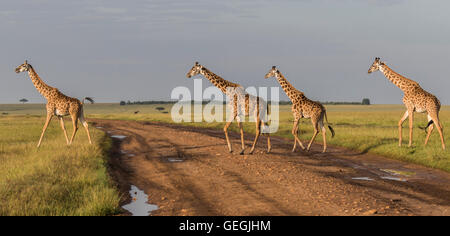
x=269, y=145
x=438, y=125
x=316, y=131
x=86, y=125
x=324, y=135
x=430, y=129
x=257, y=134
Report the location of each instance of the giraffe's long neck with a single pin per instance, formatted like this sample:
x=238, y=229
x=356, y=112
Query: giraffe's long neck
x=41, y=87
x=218, y=81
x=397, y=79
x=287, y=87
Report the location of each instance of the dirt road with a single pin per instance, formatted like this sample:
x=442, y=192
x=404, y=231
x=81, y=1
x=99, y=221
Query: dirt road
x=188, y=171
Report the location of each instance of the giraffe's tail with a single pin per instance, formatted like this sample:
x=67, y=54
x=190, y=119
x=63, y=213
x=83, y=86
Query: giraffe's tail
x=329, y=125
x=89, y=99
x=428, y=125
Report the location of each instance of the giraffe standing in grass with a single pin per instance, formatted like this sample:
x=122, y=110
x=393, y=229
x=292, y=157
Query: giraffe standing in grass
x=58, y=104
x=415, y=99
x=302, y=107
x=239, y=100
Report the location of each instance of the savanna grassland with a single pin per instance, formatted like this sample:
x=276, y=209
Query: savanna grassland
x=57, y=179
x=370, y=128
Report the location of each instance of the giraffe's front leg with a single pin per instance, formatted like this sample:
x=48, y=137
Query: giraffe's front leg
x=295, y=133
x=49, y=118
x=75, y=126
x=400, y=123
x=257, y=134
x=242, y=137
x=63, y=127
x=225, y=130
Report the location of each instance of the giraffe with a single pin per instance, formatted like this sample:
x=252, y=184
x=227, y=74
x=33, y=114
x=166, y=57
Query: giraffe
x=415, y=99
x=237, y=96
x=302, y=107
x=58, y=104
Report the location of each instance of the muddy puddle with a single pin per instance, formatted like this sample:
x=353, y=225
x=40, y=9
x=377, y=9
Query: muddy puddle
x=394, y=178
x=363, y=178
x=139, y=205
x=389, y=174
x=121, y=137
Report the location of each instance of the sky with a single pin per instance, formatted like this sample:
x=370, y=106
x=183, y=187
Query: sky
x=116, y=50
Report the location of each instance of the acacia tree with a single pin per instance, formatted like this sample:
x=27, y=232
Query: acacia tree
x=23, y=100
x=365, y=101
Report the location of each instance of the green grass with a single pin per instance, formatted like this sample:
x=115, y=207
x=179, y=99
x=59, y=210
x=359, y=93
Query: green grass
x=72, y=180
x=55, y=179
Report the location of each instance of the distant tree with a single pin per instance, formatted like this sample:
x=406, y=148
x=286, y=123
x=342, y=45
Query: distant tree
x=365, y=101
x=23, y=100
x=123, y=103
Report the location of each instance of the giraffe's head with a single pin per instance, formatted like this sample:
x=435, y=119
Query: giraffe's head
x=196, y=69
x=376, y=65
x=272, y=73
x=24, y=67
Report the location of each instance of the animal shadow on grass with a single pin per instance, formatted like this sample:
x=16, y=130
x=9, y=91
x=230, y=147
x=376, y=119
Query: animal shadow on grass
x=381, y=142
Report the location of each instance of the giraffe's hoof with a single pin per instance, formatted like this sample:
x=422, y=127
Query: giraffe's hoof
x=242, y=152
x=250, y=153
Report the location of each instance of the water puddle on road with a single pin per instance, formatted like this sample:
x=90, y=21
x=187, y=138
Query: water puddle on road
x=363, y=178
x=118, y=136
x=399, y=172
x=139, y=205
x=393, y=178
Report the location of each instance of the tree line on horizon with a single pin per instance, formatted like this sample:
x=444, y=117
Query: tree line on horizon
x=365, y=101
